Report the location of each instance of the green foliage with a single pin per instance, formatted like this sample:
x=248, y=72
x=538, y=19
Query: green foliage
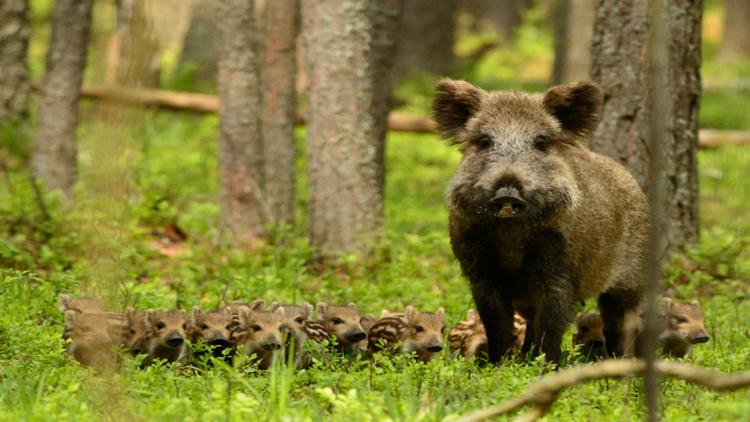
x=107, y=243
x=413, y=265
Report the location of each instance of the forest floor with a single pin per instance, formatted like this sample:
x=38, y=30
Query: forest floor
x=144, y=174
x=166, y=172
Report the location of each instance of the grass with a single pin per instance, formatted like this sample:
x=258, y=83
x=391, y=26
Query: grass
x=413, y=265
x=158, y=169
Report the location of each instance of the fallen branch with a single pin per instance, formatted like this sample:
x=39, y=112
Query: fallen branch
x=204, y=103
x=714, y=138
x=543, y=394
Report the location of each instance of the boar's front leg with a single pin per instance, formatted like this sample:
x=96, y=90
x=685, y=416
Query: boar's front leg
x=552, y=316
x=497, y=317
x=551, y=291
x=478, y=260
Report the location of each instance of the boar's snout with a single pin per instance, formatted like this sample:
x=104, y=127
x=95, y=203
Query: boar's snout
x=702, y=337
x=508, y=203
x=597, y=345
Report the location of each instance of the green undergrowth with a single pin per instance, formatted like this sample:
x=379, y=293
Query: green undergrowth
x=107, y=244
x=141, y=181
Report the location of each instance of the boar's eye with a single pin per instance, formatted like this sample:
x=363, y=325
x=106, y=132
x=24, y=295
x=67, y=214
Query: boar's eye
x=483, y=142
x=300, y=320
x=337, y=321
x=419, y=328
x=185, y=326
x=256, y=328
x=160, y=325
x=203, y=326
x=541, y=143
x=679, y=319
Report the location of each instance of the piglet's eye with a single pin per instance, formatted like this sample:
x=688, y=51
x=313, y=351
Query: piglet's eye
x=483, y=141
x=541, y=143
x=419, y=328
x=160, y=325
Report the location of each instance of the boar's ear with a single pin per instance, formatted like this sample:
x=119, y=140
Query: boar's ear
x=243, y=312
x=197, y=312
x=367, y=322
x=454, y=104
x=257, y=305
x=307, y=309
x=410, y=311
x=151, y=317
x=695, y=302
x=130, y=315
x=64, y=303
x=70, y=318
x=274, y=306
x=321, y=309
x=441, y=314
x=576, y=106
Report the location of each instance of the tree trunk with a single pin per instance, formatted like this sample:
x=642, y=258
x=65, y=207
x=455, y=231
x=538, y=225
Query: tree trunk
x=736, y=42
x=426, y=37
x=244, y=209
x=14, y=72
x=501, y=16
x=574, y=27
x=137, y=48
x=199, y=47
x=53, y=157
x=386, y=21
x=280, y=28
x=619, y=64
x=346, y=46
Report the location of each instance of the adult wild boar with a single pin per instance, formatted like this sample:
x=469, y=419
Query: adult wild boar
x=537, y=220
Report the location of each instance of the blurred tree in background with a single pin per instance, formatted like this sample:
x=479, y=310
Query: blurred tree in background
x=54, y=152
x=14, y=73
x=736, y=42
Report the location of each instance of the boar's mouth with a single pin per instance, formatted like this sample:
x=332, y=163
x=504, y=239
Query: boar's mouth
x=508, y=203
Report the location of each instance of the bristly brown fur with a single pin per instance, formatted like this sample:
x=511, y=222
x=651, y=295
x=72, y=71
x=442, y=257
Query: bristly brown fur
x=455, y=102
x=582, y=228
x=576, y=106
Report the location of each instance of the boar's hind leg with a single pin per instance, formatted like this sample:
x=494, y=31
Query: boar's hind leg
x=497, y=317
x=614, y=304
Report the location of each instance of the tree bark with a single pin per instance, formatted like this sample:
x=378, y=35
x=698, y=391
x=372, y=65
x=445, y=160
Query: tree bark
x=619, y=65
x=280, y=29
x=501, y=16
x=137, y=49
x=574, y=27
x=386, y=21
x=346, y=48
x=200, y=45
x=14, y=71
x=426, y=37
x=244, y=209
x=53, y=157
x=736, y=42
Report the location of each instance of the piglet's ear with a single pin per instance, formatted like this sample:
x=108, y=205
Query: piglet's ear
x=576, y=106
x=454, y=104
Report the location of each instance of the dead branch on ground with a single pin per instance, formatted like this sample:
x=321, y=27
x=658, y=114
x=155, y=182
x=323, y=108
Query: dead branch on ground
x=544, y=392
x=204, y=103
